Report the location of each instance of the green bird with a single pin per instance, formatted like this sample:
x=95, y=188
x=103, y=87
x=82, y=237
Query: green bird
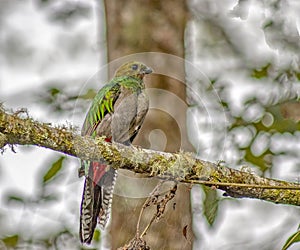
x=117, y=112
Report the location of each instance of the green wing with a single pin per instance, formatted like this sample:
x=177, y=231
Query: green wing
x=104, y=101
x=102, y=104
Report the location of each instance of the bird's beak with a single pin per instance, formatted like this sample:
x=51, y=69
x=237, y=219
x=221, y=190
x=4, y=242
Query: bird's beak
x=147, y=70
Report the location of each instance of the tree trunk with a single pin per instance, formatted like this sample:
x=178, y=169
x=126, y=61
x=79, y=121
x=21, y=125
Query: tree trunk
x=152, y=26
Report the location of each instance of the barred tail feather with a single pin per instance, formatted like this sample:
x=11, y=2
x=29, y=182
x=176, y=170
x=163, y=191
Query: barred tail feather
x=86, y=230
x=96, y=203
x=109, y=180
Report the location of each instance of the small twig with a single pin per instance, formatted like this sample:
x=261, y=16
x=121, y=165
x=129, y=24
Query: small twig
x=148, y=226
x=223, y=184
x=147, y=203
x=160, y=205
x=22, y=111
x=135, y=244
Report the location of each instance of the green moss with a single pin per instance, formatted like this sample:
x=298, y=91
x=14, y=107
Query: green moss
x=158, y=164
x=2, y=140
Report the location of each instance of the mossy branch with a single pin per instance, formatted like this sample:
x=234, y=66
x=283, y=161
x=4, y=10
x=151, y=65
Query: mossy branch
x=19, y=129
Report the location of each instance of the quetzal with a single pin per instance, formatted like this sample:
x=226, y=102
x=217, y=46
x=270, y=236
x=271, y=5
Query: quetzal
x=117, y=112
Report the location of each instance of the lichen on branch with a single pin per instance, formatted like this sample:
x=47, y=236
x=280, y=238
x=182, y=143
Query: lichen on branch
x=19, y=129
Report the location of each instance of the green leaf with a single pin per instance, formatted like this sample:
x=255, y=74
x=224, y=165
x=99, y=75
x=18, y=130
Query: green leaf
x=15, y=198
x=11, y=241
x=291, y=240
x=268, y=24
x=97, y=235
x=54, y=169
x=210, y=204
x=261, y=73
x=54, y=91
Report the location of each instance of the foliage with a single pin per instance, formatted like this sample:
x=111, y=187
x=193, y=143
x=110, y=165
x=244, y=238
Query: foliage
x=294, y=238
x=53, y=170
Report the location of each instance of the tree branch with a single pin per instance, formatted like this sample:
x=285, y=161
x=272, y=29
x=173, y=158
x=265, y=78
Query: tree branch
x=19, y=129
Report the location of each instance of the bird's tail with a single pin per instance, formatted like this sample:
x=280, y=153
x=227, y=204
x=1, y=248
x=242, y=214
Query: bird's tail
x=96, y=199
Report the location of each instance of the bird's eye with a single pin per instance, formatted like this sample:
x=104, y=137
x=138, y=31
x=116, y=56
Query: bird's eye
x=134, y=67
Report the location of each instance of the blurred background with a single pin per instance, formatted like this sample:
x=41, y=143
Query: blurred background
x=226, y=87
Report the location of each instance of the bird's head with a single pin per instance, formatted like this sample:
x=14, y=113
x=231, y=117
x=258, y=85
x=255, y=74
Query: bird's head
x=134, y=69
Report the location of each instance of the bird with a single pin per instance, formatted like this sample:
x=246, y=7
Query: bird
x=117, y=112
